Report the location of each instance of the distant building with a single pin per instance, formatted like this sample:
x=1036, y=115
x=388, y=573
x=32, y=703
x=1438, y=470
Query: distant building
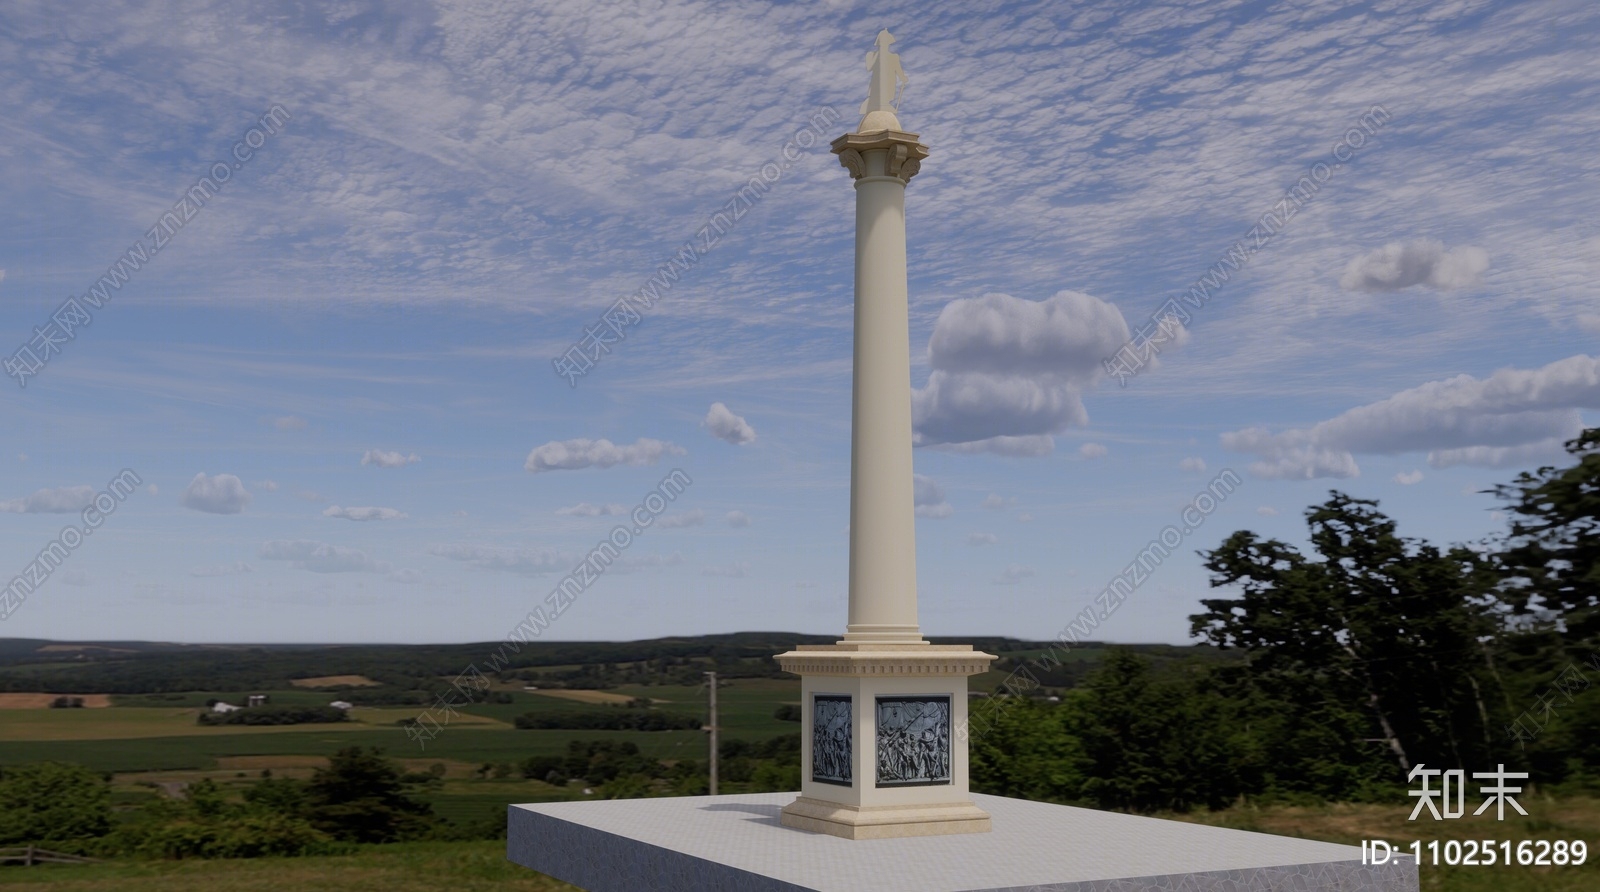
x=342, y=704
x=220, y=706
x=256, y=700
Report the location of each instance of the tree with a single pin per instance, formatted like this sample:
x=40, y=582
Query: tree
x=53, y=802
x=1388, y=626
x=1551, y=558
x=359, y=798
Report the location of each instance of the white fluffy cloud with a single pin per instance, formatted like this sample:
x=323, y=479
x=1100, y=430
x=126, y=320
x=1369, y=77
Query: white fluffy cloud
x=64, y=500
x=389, y=459
x=1006, y=367
x=724, y=425
x=1267, y=511
x=584, y=509
x=1092, y=450
x=212, y=570
x=571, y=455
x=928, y=496
x=364, y=513
x=1511, y=416
x=995, y=502
x=524, y=561
x=1014, y=574
x=1425, y=261
x=1193, y=464
x=679, y=521
x=982, y=539
x=1408, y=478
x=738, y=519
x=222, y=494
x=727, y=571
x=320, y=557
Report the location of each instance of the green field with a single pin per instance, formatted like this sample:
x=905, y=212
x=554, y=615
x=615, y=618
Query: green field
x=149, y=733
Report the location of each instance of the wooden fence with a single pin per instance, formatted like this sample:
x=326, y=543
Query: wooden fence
x=31, y=855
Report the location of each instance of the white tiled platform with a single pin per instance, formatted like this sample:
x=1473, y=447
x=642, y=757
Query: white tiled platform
x=735, y=843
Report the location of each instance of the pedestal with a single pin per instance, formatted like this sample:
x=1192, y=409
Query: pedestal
x=883, y=752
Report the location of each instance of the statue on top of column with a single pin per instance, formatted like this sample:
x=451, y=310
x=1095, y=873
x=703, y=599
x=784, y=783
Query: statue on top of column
x=888, y=82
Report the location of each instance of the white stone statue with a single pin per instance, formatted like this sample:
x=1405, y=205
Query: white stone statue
x=888, y=83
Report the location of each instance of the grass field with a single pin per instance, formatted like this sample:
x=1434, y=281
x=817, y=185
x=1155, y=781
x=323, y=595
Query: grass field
x=43, y=701
x=335, y=681
x=427, y=867
x=413, y=867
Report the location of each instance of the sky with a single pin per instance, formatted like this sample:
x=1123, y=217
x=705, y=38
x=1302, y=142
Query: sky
x=370, y=230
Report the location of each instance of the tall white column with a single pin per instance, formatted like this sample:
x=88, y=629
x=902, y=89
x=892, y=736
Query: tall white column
x=883, y=549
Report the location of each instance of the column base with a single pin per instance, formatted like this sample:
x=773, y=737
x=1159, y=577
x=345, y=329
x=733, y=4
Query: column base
x=884, y=821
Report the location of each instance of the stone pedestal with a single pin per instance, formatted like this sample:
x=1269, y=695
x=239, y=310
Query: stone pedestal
x=882, y=753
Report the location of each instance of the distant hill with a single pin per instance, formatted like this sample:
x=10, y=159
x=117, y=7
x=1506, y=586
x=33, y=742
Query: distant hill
x=145, y=667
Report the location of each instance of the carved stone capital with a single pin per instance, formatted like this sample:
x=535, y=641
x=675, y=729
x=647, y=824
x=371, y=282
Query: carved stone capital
x=903, y=153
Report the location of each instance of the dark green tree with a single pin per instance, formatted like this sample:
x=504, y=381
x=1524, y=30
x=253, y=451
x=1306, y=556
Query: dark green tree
x=53, y=802
x=1551, y=556
x=359, y=798
x=1390, y=629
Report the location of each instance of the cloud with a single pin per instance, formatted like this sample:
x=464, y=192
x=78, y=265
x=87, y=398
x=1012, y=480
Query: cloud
x=1193, y=463
x=522, y=561
x=267, y=485
x=22, y=456
x=724, y=425
x=388, y=459
x=65, y=500
x=1016, y=447
x=728, y=571
x=1547, y=451
x=289, y=423
x=1092, y=450
x=320, y=557
x=1006, y=367
x=738, y=519
x=1267, y=511
x=222, y=494
x=1505, y=418
x=928, y=497
x=1024, y=517
x=1425, y=261
x=364, y=513
x=995, y=503
x=1408, y=478
x=1587, y=322
x=310, y=496
x=571, y=455
x=584, y=509
x=982, y=539
x=153, y=489
x=1014, y=574
x=679, y=521
x=405, y=576
x=207, y=571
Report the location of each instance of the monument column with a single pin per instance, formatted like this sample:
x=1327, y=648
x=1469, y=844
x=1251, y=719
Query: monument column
x=883, y=547
x=884, y=713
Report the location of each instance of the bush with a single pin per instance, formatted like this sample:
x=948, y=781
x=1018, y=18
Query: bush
x=609, y=720
x=53, y=802
x=276, y=715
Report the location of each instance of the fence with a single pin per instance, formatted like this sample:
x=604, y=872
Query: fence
x=30, y=855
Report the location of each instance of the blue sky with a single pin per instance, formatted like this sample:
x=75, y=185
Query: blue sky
x=335, y=378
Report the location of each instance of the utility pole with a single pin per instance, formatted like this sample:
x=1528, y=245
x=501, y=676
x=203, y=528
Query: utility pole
x=712, y=728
